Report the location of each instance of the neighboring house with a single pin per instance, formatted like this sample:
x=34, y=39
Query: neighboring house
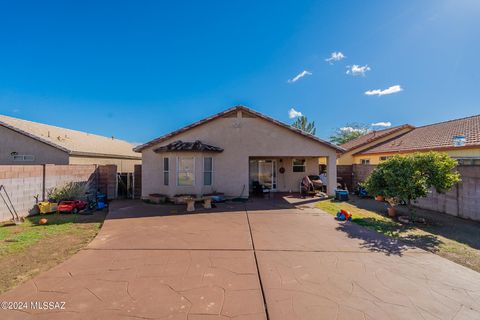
x=231, y=152
x=460, y=138
x=373, y=138
x=24, y=142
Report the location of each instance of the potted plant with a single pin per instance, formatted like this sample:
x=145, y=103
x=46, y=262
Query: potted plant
x=379, y=198
x=393, y=202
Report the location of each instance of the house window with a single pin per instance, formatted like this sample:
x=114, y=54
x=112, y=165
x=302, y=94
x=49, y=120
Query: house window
x=468, y=161
x=383, y=158
x=365, y=161
x=298, y=165
x=23, y=157
x=166, y=170
x=207, y=171
x=186, y=171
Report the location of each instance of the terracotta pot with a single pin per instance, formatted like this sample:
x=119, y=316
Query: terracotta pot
x=43, y=221
x=391, y=212
x=380, y=198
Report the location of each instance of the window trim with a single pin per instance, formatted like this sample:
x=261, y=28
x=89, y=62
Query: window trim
x=211, y=173
x=166, y=182
x=304, y=165
x=364, y=160
x=193, y=171
x=23, y=158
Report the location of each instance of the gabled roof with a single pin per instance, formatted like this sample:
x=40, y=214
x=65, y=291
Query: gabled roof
x=71, y=141
x=180, y=145
x=435, y=136
x=372, y=137
x=224, y=113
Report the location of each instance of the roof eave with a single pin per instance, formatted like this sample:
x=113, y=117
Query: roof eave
x=399, y=128
x=104, y=155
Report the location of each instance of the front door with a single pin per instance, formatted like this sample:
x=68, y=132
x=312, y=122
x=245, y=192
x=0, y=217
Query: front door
x=264, y=172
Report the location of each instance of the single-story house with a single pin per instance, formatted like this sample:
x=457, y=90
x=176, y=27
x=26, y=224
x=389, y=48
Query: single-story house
x=460, y=138
x=232, y=151
x=373, y=138
x=26, y=143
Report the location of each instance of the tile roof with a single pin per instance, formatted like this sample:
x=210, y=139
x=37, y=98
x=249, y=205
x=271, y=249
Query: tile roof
x=71, y=141
x=372, y=136
x=225, y=112
x=434, y=136
x=179, y=145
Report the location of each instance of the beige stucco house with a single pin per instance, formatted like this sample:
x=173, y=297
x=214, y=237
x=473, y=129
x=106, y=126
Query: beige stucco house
x=25, y=142
x=230, y=152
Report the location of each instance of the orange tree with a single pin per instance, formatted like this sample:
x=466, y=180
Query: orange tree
x=407, y=178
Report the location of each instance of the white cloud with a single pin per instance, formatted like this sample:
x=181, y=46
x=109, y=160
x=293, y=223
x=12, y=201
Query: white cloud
x=378, y=92
x=294, y=113
x=351, y=129
x=382, y=124
x=299, y=76
x=335, y=56
x=357, y=70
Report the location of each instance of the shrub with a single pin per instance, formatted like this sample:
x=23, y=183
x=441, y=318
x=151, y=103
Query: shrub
x=68, y=191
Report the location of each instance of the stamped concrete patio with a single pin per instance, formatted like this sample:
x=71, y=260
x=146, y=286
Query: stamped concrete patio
x=266, y=259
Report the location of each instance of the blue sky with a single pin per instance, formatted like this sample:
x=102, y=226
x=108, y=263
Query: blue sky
x=138, y=69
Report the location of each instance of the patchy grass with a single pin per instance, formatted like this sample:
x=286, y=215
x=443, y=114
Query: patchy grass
x=29, y=248
x=452, y=238
x=365, y=218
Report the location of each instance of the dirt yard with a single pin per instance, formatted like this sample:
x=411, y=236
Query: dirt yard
x=30, y=248
x=452, y=238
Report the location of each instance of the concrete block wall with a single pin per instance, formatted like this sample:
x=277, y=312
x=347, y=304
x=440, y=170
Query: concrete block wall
x=58, y=175
x=462, y=201
x=23, y=184
x=26, y=183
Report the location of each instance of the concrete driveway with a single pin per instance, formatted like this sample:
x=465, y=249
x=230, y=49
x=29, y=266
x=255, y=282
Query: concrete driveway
x=266, y=259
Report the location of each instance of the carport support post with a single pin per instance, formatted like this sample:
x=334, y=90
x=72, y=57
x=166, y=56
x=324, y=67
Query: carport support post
x=331, y=174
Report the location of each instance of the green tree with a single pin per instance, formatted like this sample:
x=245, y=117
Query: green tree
x=349, y=132
x=303, y=124
x=407, y=178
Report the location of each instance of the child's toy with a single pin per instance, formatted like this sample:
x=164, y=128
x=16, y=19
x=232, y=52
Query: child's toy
x=343, y=215
x=47, y=207
x=362, y=193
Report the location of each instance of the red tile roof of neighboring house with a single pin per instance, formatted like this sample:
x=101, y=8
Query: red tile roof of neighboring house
x=433, y=137
x=372, y=136
x=224, y=113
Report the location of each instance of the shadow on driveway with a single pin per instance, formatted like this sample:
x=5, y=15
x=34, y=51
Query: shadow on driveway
x=375, y=242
